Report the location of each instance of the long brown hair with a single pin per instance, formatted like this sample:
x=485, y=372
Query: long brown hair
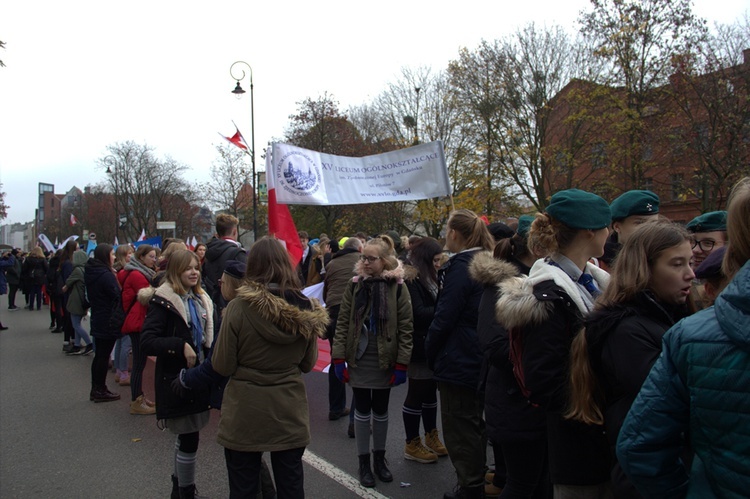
x=268, y=263
x=738, y=214
x=472, y=229
x=631, y=275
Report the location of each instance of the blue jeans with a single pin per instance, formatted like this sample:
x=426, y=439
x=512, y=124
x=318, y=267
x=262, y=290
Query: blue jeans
x=81, y=333
x=122, y=347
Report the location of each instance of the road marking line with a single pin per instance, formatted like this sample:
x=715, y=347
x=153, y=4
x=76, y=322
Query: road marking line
x=340, y=476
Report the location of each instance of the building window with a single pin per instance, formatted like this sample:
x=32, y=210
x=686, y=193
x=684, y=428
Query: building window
x=676, y=184
x=598, y=156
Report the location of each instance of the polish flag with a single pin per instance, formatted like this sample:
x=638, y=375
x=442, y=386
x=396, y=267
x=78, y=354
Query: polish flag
x=280, y=222
x=194, y=243
x=143, y=235
x=73, y=219
x=238, y=140
x=187, y=243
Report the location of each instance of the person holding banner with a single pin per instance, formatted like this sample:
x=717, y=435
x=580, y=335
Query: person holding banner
x=453, y=352
x=374, y=338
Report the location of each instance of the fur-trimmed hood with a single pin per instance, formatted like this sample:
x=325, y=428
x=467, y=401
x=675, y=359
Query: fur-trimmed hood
x=289, y=320
x=490, y=271
x=519, y=306
x=396, y=274
x=166, y=293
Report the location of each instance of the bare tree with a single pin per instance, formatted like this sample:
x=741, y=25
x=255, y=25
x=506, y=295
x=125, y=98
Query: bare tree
x=147, y=189
x=231, y=189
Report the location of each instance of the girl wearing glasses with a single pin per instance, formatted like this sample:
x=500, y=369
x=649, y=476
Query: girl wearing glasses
x=372, y=348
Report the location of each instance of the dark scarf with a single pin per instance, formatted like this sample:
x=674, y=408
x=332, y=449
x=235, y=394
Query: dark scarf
x=373, y=290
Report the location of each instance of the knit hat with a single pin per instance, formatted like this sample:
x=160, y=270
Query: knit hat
x=235, y=268
x=524, y=224
x=579, y=209
x=708, y=222
x=634, y=203
x=500, y=231
x=710, y=268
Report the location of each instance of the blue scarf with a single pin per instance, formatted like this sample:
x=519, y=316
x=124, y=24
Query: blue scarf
x=196, y=323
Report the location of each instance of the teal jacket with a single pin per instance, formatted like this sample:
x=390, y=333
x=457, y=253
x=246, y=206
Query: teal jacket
x=699, y=386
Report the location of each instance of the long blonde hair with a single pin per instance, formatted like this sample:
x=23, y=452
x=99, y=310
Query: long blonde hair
x=179, y=263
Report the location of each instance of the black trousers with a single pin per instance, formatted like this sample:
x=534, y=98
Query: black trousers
x=243, y=469
x=100, y=364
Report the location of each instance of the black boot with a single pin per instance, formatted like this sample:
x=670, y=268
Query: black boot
x=175, y=489
x=187, y=492
x=381, y=470
x=365, y=473
x=102, y=394
x=466, y=493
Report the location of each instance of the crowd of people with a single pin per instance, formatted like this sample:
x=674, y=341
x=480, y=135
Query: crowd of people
x=598, y=348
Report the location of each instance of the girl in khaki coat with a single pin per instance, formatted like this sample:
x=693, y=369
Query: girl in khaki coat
x=374, y=337
x=268, y=338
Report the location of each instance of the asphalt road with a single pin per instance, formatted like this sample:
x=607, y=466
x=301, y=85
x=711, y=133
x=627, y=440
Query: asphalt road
x=54, y=442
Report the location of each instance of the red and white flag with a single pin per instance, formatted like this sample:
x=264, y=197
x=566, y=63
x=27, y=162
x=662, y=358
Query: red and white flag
x=143, y=235
x=73, y=219
x=187, y=243
x=194, y=243
x=238, y=140
x=280, y=222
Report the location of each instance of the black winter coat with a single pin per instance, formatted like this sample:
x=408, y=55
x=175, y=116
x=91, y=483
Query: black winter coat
x=452, y=345
x=423, y=310
x=103, y=293
x=623, y=344
x=36, y=270
x=544, y=311
x=164, y=334
x=508, y=414
x=218, y=253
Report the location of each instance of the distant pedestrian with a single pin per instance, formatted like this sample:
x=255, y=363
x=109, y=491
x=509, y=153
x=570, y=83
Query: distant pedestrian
x=35, y=267
x=78, y=305
x=103, y=292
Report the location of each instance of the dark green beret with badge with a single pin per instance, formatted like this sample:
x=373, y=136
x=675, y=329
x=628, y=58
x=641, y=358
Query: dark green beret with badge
x=634, y=203
x=524, y=224
x=708, y=222
x=579, y=209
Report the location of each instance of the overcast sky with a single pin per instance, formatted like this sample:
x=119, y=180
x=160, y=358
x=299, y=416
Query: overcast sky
x=82, y=75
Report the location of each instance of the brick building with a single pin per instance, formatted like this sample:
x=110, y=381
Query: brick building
x=688, y=140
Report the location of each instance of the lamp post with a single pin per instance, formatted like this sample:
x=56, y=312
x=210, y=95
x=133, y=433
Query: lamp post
x=111, y=160
x=416, y=119
x=238, y=91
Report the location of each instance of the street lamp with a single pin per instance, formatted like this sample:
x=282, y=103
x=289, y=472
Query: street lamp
x=238, y=91
x=111, y=160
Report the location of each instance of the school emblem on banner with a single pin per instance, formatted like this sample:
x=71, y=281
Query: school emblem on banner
x=299, y=174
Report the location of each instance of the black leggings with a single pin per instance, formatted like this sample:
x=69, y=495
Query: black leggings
x=100, y=364
x=421, y=391
x=139, y=363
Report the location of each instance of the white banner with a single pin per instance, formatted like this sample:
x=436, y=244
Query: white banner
x=46, y=242
x=302, y=176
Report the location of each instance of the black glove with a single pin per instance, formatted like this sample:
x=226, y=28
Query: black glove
x=179, y=387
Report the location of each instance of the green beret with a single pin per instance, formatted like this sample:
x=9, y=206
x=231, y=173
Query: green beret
x=524, y=224
x=634, y=203
x=579, y=209
x=708, y=222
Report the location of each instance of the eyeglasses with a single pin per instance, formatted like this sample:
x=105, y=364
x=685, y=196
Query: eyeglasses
x=370, y=259
x=704, y=244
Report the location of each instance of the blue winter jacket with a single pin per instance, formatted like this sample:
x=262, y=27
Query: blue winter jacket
x=700, y=385
x=452, y=343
